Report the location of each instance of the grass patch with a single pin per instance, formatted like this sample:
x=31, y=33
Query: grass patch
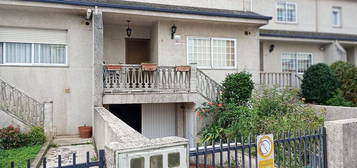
x=18, y=155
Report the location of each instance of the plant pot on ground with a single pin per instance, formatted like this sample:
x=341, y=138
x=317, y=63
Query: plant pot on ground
x=85, y=131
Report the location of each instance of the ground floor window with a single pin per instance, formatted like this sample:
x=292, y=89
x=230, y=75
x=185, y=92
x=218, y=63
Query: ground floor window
x=212, y=52
x=32, y=54
x=296, y=62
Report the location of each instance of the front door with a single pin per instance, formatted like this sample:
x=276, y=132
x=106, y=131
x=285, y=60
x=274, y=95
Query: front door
x=137, y=51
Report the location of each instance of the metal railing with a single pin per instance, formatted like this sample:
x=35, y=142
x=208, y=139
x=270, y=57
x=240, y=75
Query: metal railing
x=134, y=78
x=100, y=163
x=280, y=79
x=20, y=105
x=208, y=87
x=300, y=149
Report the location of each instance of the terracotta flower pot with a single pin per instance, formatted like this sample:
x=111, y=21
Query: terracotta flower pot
x=149, y=67
x=113, y=67
x=183, y=68
x=85, y=131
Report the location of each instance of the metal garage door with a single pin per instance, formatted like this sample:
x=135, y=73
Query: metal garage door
x=158, y=120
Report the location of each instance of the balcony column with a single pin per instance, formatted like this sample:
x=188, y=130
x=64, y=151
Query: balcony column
x=193, y=80
x=97, y=23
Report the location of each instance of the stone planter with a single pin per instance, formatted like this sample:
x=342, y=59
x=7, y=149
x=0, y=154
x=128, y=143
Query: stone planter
x=85, y=131
x=149, y=67
x=183, y=68
x=113, y=67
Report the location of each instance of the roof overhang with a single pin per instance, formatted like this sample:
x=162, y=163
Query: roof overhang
x=310, y=37
x=158, y=10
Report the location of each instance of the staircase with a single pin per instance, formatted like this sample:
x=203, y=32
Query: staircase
x=21, y=106
x=207, y=87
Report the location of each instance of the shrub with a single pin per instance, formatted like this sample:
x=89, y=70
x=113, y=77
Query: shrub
x=319, y=84
x=346, y=75
x=11, y=137
x=36, y=136
x=273, y=111
x=338, y=100
x=237, y=88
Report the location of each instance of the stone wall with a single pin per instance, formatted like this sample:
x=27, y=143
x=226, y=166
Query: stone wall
x=332, y=113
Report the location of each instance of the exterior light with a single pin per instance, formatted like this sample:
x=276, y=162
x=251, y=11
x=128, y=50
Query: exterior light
x=128, y=30
x=173, y=31
x=271, y=48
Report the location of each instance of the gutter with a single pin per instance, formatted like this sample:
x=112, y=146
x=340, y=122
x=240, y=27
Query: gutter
x=307, y=37
x=153, y=9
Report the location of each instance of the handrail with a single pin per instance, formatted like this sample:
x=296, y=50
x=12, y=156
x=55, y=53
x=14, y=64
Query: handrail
x=280, y=79
x=207, y=87
x=21, y=106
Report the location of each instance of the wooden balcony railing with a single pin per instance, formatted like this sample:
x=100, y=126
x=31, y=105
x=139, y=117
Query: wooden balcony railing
x=280, y=79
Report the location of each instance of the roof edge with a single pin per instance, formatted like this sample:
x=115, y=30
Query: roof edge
x=152, y=9
x=326, y=37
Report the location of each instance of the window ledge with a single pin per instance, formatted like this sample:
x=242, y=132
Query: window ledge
x=42, y=66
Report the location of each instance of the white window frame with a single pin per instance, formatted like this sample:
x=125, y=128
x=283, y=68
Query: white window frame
x=211, y=52
x=296, y=66
x=339, y=11
x=286, y=3
x=32, y=56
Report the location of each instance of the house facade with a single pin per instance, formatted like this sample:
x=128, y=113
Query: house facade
x=80, y=54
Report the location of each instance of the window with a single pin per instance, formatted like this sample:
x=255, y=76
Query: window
x=212, y=52
x=32, y=54
x=296, y=62
x=336, y=17
x=286, y=12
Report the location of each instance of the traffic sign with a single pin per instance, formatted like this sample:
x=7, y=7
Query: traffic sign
x=265, y=149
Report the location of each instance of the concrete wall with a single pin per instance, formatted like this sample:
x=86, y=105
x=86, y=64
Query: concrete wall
x=333, y=113
x=341, y=140
x=7, y=120
x=49, y=83
x=272, y=60
x=312, y=15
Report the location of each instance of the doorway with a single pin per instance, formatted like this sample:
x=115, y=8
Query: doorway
x=129, y=113
x=137, y=51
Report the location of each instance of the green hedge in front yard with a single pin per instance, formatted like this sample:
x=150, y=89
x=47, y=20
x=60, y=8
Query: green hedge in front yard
x=18, y=155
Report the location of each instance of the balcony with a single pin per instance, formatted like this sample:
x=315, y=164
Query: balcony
x=280, y=79
x=158, y=82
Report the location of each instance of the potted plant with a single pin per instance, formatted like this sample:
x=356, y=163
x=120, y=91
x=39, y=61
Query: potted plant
x=114, y=67
x=149, y=67
x=85, y=131
x=183, y=68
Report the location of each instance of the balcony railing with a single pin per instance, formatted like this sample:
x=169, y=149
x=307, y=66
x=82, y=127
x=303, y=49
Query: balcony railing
x=280, y=79
x=133, y=78
x=125, y=78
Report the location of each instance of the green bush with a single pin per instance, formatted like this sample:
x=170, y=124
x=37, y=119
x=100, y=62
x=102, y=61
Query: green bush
x=36, y=136
x=346, y=75
x=338, y=100
x=273, y=111
x=319, y=84
x=11, y=137
x=237, y=88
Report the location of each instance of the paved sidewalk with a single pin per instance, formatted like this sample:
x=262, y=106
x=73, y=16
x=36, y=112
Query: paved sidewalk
x=66, y=146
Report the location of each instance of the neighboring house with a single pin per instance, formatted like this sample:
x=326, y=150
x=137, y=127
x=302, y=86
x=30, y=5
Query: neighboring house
x=64, y=50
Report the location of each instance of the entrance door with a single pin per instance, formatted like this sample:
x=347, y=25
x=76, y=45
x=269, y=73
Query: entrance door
x=137, y=51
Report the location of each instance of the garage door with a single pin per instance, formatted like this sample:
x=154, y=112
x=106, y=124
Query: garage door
x=158, y=120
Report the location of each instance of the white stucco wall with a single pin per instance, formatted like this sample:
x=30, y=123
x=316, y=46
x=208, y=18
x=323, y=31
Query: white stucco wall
x=172, y=52
x=49, y=83
x=272, y=60
x=312, y=15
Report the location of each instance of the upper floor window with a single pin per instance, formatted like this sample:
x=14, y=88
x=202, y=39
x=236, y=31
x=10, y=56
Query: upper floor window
x=336, y=17
x=286, y=12
x=211, y=52
x=296, y=62
x=32, y=54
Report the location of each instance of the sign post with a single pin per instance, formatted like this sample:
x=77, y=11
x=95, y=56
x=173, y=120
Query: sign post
x=265, y=149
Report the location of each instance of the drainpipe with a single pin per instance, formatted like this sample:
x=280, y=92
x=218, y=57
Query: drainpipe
x=317, y=15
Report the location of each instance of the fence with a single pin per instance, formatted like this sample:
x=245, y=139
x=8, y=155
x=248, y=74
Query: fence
x=20, y=105
x=280, y=79
x=99, y=163
x=301, y=149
